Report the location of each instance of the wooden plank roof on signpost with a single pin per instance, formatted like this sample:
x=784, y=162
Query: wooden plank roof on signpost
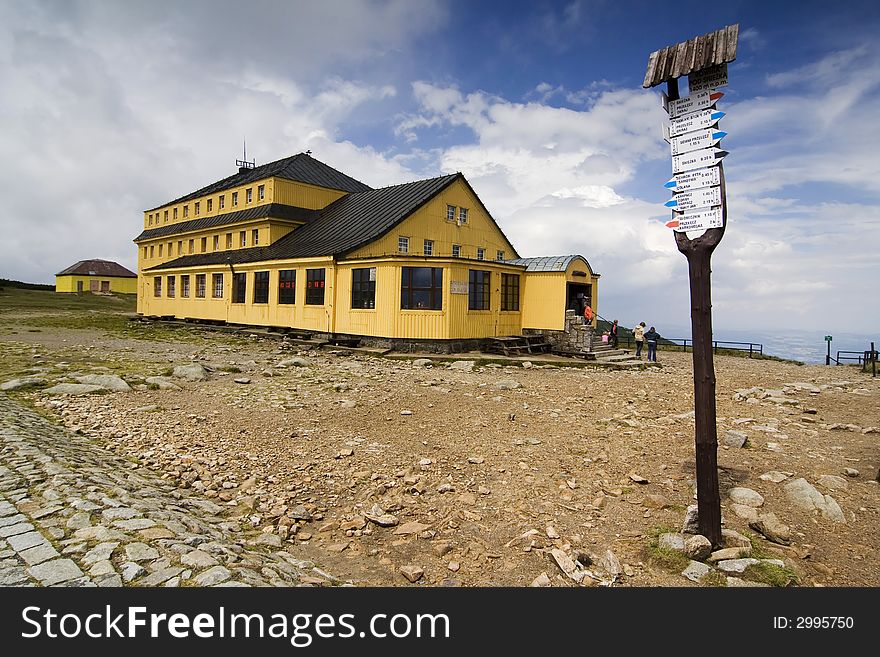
x=712, y=49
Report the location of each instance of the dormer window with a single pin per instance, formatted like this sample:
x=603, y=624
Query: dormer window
x=261, y=192
x=234, y=199
x=249, y=195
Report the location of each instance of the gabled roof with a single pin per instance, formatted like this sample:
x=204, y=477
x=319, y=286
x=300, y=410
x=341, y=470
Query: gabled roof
x=274, y=210
x=301, y=167
x=97, y=268
x=549, y=263
x=343, y=226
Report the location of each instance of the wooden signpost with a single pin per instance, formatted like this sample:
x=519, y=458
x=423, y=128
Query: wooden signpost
x=698, y=188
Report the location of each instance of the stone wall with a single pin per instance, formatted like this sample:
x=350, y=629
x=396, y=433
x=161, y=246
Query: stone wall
x=575, y=336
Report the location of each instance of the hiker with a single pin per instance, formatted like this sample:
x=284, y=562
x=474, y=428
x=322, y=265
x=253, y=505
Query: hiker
x=613, y=335
x=639, y=336
x=588, y=314
x=578, y=304
x=651, y=337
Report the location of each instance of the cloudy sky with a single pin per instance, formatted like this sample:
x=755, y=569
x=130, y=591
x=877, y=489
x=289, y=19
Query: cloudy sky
x=112, y=107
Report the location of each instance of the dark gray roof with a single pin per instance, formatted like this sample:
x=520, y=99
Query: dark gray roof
x=97, y=268
x=549, y=263
x=301, y=167
x=274, y=210
x=343, y=226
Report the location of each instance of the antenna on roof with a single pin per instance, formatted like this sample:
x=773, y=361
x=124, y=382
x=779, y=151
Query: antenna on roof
x=308, y=152
x=243, y=164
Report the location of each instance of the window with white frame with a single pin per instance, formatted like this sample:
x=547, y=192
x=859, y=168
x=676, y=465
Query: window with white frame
x=450, y=213
x=429, y=247
x=463, y=215
x=217, y=286
x=499, y=255
x=261, y=192
x=210, y=205
x=456, y=250
x=403, y=244
x=481, y=254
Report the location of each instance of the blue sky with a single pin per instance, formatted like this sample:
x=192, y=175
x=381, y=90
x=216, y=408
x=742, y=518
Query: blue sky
x=109, y=108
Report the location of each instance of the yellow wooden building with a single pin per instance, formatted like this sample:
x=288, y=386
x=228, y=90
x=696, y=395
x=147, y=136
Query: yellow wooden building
x=298, y=244
x=97, y=276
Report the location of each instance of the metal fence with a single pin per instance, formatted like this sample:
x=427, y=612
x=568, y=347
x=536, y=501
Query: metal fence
x=686, y=344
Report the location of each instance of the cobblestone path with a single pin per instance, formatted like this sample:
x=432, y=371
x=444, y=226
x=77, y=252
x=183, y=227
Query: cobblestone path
x=74, y=514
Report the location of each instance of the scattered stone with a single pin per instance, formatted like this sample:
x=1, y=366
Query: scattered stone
x=769, y=526
x=406, y=412
x=731, y=553
x=412, y=527
x=422, y=362
x=108, y=381
x=637, y=478
x=551, y=532
x=21, y=384
x=198, y=559
x=191, y=372
x=610, y=564
x=476, y=460
x=73, y=389
x=441, y=548
x=466, y=365
x=566, y=563
x=746, y=496
x=542, y=580
x=671, y=541
x=379, y=517
x=140, y=552
x=454, y=566
x=833, y=482
x=803, y=495
x=734, y=438
x=691, y=523
x=299, y=512
x=775, y=476
x=695, y=571
x=412, y=573
x=655, y=501
x=733, y=538
x=294, y=362
x=56, y=571
x=698, y=547
x=747, y=513
x=851, y=472
x=508, y=384
x=212, y=576
x=242, y=380
x=161, y=382
x=736, y=565
x=131, y=570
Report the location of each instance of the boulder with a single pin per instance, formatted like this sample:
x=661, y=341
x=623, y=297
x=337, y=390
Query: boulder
x=19, y=384
x=108, y=381
x=746, y=496
x=803, y=495
x=74, y=389
x=734, y=439
x=769, y=526
x=191, y=372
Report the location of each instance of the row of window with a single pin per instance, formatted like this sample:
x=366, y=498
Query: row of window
x=428, y=249
x=420, y=288
x=150, y=251
x=209, y=205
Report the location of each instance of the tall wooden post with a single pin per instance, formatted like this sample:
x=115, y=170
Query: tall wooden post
x=698, y=252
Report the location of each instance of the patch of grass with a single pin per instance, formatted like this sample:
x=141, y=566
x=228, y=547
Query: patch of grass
x=153, y=386
x=232, y=369
x=714, y=579
x=663, y=557
x=771, y=574
x=168, y=371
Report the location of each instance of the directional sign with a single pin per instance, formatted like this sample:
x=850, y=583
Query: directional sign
x=827, y=338
x=699, y=220
x=695, y=102
x=697, y=159
x=695, y=121
x=699, y=198
x=707, y=78
x=694, y=180
x=692, y=141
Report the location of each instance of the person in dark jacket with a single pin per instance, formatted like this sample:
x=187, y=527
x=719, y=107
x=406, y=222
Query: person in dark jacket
x=613, y=335
x=651, y=337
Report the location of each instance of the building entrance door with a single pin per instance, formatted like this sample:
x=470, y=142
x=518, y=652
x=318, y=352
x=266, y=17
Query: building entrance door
x=93, y=286
x=79, y=286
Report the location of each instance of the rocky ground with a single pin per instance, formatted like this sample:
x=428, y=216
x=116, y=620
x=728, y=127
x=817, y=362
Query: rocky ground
x=423, y=471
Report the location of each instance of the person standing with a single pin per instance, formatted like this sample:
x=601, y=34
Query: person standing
x=613, y=335
x=588, y=314
x=651, y=337
x=639, y=337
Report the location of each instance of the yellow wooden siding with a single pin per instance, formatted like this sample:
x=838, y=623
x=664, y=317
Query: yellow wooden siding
x=159, y=215
x=429, y=222
x=302, y=195
x=118, y=284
